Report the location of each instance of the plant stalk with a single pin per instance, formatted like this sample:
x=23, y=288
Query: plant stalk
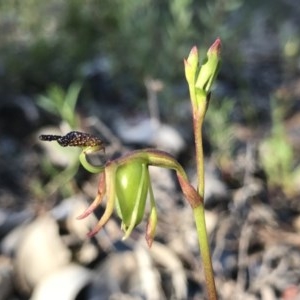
x=199, y=213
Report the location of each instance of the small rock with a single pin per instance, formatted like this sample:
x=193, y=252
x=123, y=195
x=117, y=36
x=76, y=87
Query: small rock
x=63, y=284
x=40, y=252
x=118, y=274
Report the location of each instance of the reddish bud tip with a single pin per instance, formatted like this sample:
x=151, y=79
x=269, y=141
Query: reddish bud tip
x=149, y=241
x=149, y=235
x=216, y=46
x=194, y=51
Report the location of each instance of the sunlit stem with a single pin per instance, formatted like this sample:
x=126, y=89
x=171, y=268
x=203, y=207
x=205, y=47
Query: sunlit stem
x=198, y=122
x=199, y=216
x=199, y=213
x=86, y=164
x=153, y=157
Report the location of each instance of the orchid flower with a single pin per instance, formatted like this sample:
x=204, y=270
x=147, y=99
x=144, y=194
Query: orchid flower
x=126, y=182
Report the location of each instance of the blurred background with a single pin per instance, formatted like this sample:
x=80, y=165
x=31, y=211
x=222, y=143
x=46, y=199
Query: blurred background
x=115, y=69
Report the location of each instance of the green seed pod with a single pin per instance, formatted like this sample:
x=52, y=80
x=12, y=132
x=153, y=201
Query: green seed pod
x=132, y=185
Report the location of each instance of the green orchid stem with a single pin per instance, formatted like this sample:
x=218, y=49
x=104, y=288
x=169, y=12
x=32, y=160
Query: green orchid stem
x=198, y=121
x=88, y=166
x=200, y=77
x=199, y=213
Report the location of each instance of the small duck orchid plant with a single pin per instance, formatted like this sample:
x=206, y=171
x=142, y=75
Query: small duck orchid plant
x=126, y=182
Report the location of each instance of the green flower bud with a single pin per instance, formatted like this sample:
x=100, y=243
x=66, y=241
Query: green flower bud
x=191, y=66
x=131, y=186
x=209, y=69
